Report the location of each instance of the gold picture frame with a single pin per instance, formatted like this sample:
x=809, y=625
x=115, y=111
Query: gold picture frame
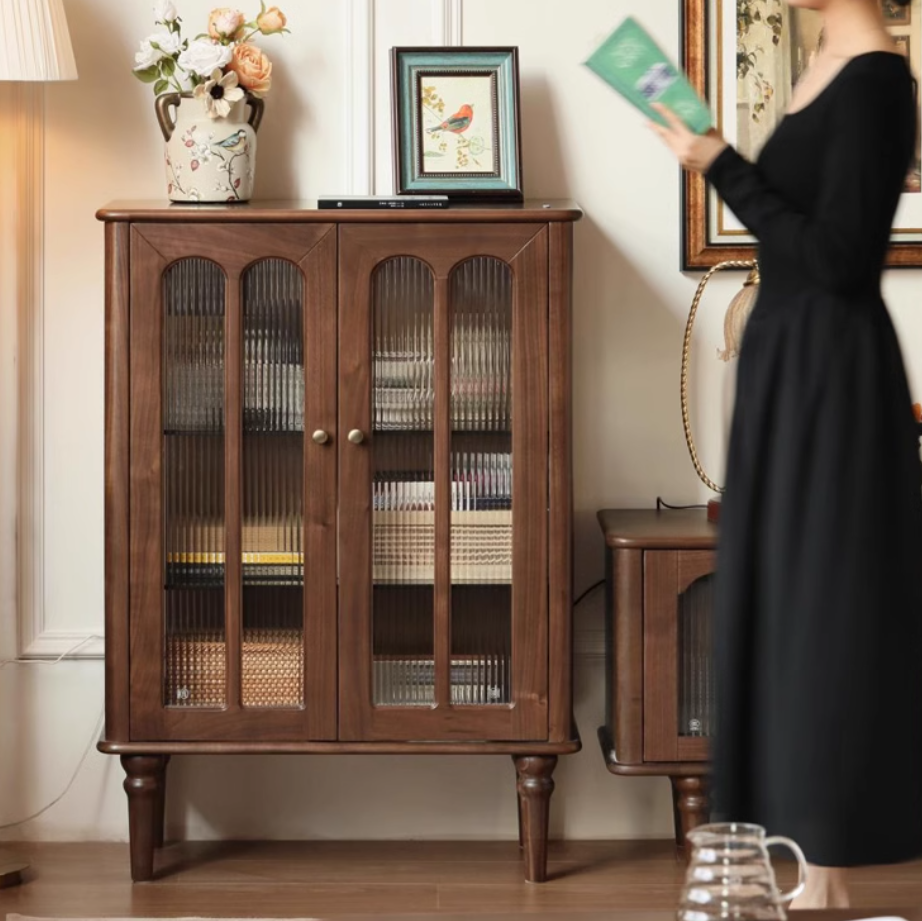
x=769, y=52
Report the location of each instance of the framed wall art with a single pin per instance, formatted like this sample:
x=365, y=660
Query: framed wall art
x=895, y=14
x=745, y=57
x=457, y=128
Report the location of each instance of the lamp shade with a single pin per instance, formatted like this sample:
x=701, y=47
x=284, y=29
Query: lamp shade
x=34, y=41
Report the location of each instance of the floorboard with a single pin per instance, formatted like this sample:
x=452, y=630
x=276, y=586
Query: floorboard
x=310, y=879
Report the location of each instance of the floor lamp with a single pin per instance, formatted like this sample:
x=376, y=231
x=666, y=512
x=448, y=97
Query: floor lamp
x=35, y=47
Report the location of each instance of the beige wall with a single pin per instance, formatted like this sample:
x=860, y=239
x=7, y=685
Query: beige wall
x=631, y=304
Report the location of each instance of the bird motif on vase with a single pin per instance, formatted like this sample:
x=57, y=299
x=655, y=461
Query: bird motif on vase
x=457, y=123
x=233, y=143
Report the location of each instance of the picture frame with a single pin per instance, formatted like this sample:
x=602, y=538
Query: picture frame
x=896, y=15
x=457, y=122
x=902, y=44
x=746, y=66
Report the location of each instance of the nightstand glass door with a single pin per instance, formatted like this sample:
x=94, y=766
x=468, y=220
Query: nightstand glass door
x=678, y=674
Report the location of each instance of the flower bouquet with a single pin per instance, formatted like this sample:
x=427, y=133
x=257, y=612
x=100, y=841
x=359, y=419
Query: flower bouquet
x=203, y=87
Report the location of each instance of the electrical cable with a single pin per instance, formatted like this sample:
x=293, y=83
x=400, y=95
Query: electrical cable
x=64, y=655
x=589, y=591
x=86, y=752
x=661, y=504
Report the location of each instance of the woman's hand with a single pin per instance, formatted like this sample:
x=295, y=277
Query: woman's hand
x=694, y=151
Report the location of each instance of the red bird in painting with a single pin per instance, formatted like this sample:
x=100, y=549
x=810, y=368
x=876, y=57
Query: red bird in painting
x=457, y=123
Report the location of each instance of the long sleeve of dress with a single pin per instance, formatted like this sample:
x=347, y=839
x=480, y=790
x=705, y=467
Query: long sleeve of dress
x=835, y=245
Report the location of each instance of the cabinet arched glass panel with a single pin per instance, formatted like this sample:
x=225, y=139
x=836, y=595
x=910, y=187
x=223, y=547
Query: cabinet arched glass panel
x=272, y=647
x=403, y=487
x=193, y=484
x=696, y=682
x=481, y=481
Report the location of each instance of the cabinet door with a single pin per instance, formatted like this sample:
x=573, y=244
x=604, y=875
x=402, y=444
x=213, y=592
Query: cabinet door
x=678, y=679
x=443, y=473
x=232, y=546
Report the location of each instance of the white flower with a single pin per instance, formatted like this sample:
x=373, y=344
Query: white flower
x=203, y=56
x=147, y=56
x=167, y=44
x=219, y=93
x=165, y=11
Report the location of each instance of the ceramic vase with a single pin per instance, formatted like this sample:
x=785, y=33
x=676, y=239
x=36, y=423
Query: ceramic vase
x=208, y=159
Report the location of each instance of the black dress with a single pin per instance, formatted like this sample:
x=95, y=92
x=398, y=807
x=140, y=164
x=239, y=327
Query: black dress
x=818, y=619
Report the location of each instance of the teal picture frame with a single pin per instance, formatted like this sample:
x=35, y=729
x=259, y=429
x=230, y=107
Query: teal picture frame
x=457, y=123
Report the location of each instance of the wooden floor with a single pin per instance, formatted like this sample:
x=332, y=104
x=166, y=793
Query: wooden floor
x=310, y=879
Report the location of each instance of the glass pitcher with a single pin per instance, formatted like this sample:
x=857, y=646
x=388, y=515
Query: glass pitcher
x=730, y=875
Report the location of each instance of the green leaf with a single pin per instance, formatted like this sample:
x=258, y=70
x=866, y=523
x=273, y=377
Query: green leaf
x=148, y=74
x=168, y=67
x=155, y=46
x=161, y=86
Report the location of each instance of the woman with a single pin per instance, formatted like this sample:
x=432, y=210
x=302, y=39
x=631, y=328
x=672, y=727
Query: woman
x=819, y=597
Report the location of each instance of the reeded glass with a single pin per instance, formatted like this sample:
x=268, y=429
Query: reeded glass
x=403, y=490
x=481, y=481
x=193, y=484
x=272, y=651
x=696, y=680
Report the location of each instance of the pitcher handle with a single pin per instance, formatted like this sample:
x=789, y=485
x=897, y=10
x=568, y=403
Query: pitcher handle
x=794, y=847
x=257, y=107
x=167, y=120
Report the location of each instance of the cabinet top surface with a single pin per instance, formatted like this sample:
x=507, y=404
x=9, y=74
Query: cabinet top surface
x=646, y=529
x=539, y=210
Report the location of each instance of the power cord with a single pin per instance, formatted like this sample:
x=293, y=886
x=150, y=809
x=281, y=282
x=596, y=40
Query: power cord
x=70, y=783
x=86, y=752
x=662, y=503
x=588, y=591
x=67, y=654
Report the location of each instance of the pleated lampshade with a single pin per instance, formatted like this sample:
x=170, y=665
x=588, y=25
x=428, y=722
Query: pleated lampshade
x=34, y=41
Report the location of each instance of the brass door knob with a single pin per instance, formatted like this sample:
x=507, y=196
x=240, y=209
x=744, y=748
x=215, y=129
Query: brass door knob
x=321, y=437
x=356, y=436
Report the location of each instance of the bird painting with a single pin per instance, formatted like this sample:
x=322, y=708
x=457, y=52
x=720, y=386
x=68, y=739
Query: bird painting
x=457, y=123
x=233, y=143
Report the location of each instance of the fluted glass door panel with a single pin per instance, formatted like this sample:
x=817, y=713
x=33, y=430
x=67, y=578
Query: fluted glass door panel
x=272, y=648
x=403, y=487
x=193, y=484
x=481, y=482
x=696, y=680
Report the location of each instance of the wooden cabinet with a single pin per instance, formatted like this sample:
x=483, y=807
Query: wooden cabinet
x=338, y=498
x=659, y=682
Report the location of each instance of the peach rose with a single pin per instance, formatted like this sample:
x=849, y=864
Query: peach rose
x=271, y=21
x=253, y=68
x=224, y=23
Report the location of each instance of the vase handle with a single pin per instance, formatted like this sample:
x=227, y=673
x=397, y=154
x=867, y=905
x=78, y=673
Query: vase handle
x=162, y=104
x=257, y=107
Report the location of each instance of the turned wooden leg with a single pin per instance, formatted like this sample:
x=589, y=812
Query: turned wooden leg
x=144, y=786
x=535, y=786
x=160, y=819
x=690, y=803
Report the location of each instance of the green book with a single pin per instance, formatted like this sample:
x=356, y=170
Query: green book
x=631, y=62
